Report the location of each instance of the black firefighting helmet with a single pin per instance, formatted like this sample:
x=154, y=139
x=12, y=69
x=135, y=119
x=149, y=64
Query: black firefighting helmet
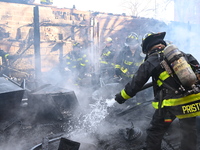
x=132, y=39
x=150, y=39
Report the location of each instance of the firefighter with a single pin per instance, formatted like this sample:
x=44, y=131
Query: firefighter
x=4, y=61
x=128, y=59
x=77, y=63
x=170, y=101
x=107, y=60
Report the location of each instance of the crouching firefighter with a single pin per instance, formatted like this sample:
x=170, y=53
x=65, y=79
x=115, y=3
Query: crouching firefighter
x=175, y=86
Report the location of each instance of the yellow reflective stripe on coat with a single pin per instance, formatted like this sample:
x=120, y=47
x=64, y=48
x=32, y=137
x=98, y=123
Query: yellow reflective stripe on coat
x=79, y=59
x=138, y=63
x=124, y=70
x=129, y=76
x=128, y=62
x=103, y=62
x=82, y=64
x=188, y=115
x=178, y=101
x=163, y=76
x=124, y=95
x=188, y=110
x=117, y=66
x=6, y=55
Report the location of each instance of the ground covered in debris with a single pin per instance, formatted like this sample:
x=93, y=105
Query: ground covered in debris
x=99, y=124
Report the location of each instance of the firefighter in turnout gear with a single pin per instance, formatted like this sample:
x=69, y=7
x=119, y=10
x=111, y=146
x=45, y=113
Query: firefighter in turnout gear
x=171, y=99
x=129, y=59
x=77, y=63
x=4, y=61
x=107, y=59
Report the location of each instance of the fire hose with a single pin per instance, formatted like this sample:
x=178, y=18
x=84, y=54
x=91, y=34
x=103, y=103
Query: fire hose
x=137, y=105
x=56, y=138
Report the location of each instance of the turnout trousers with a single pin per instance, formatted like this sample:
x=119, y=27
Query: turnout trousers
x=158, y=127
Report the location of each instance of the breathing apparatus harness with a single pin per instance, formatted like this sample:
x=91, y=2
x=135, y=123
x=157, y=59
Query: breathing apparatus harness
x=172, y=60
x=159, y=52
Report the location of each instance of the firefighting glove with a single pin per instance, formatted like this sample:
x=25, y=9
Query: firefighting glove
x=119, y=98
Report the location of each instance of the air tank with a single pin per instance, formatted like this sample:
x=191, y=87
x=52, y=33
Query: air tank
x=180, y=66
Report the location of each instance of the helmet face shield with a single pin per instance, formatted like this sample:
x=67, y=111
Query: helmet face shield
x=151, y=39
x=132, y=43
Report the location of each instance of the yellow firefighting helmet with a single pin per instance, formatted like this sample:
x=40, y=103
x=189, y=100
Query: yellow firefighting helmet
x=108, y=40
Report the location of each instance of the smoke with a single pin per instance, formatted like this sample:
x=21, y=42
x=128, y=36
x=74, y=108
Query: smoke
x=92, y=121
x=11, y=143
x=185, y=36
x=96, y=117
